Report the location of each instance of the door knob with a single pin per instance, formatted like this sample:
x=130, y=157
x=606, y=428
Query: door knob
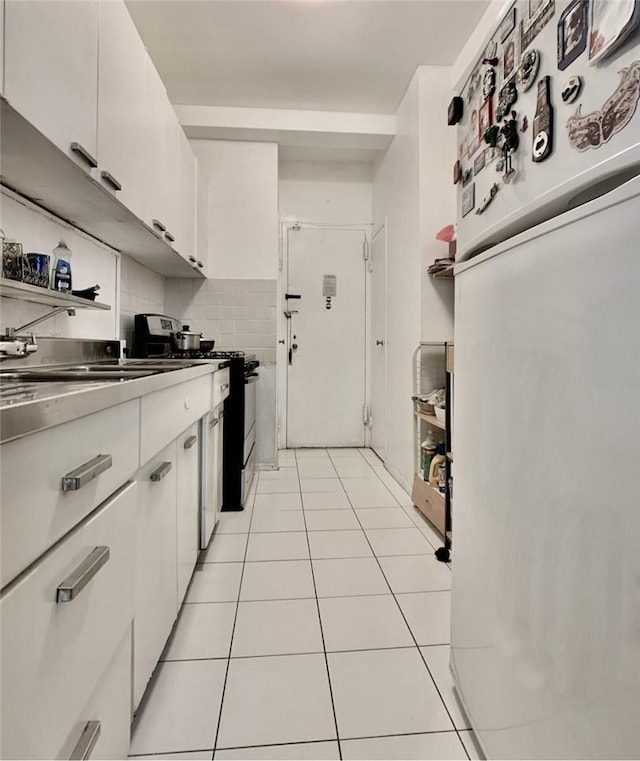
x=379, y=343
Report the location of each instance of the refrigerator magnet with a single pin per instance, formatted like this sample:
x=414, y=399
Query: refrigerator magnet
x=493, y=190
x=478, y=164
x=510, y=58
x=538, y=14
x=508, y=25
x=485, y=118
x=571, y=90
x=506, y=99
x=573, y=31
x=528, y=70
x=454, y=113
x=594, y=129
x=468, y=199
x=457, y=172
x=467, y=176
x=488, y=83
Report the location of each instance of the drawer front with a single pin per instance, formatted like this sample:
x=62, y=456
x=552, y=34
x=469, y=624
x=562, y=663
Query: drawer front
x=429, y=501
x=188, y=505
x=220, y=386
x=165, y=414
x=53, y=653
x=35, y=512
x=103, y=725
x=156, y=596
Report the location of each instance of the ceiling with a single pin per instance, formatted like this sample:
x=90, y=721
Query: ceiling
x=327, y=55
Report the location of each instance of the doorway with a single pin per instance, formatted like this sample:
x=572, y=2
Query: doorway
x=378, y=342
x=324, y=306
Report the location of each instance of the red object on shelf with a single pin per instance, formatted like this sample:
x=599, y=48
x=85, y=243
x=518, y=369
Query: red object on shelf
x=447, y=234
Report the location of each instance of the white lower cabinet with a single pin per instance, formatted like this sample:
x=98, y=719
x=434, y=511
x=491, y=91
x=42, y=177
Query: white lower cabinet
x=103, y=728
x=61, y=623
x=188, y=504
x=156, y=595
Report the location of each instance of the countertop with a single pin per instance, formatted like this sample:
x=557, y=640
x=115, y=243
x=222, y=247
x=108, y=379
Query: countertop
x=74, y=400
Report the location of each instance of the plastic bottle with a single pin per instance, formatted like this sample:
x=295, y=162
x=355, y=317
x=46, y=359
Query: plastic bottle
x=61, y=268
x=429, y=449
x=433, y=470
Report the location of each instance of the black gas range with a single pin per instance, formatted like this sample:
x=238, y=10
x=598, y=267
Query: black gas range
x=152, y=340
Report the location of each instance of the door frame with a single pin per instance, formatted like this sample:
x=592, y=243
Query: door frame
x=281, y=351
x=380, y=230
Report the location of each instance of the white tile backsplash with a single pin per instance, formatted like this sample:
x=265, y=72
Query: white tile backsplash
x=141, y=290
x=238, y=314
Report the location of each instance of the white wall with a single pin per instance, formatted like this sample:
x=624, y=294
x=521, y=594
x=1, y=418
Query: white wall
x=243, y=207
x=396, y=190
x=437, y=199
x=92, y=263
x=413, y=190
x=326, y=192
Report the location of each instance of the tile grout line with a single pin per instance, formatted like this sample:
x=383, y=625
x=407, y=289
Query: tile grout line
x=324, y=647
x=233, y=628
x=412, y=635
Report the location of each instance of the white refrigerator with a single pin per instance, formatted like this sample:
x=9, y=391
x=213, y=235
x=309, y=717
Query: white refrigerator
x=545, y=628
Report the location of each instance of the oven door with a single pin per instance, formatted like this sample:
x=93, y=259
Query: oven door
x=250, y=381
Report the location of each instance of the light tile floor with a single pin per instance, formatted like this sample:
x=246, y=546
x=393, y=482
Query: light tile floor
x=316, y=626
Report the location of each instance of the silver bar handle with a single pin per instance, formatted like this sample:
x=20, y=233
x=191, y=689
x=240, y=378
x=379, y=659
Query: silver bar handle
x=157, y=223
x=190, y=442
x=161, y=471
x=84, y=154
x=168, y=236
x=81, y=476
x=87, y=742
x=213, y=422
x=71, y=587
x=110, y=180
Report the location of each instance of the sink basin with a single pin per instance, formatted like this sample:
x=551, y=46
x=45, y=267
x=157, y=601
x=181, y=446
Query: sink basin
x=47, y=376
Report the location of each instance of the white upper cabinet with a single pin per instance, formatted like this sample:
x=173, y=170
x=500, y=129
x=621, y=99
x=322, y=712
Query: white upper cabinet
x=1, y=46
x=162, y=151
x=51, y=70
x=187, y=178
x=202, y=221
x=121, y=107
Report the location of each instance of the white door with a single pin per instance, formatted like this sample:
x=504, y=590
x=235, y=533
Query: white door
x=325, y=338
x=378, y=342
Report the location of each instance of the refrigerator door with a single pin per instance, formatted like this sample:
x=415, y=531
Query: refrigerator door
x=540, y=190
x=545, y=630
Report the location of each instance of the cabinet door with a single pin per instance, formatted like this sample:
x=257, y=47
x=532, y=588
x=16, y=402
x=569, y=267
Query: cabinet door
x=1, y=47
x=162, y=147
x=122, y=106
x=51, y=70
x=110, y=708
x=202, y=221
x=156, y=598
x=187, y=174
x=188, y=503
x=53, y=650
